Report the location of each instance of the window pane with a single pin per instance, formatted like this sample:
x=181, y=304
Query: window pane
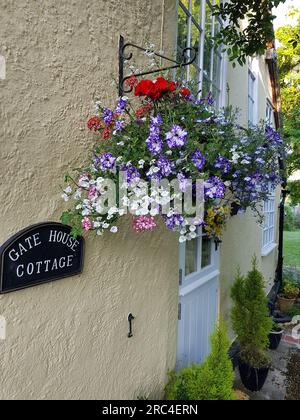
x=206, y=252
x=216, y=70
x=205, y=86
x=265, y=241
x=250, y=111
x=196, y=7
x=189, y=33
x=191, y=257
x=267, y=220
x=182, y=29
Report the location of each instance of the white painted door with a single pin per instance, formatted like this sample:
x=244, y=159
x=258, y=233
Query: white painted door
x=198, y=299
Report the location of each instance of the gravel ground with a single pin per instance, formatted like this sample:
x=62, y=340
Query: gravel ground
x=293, y=376
x=283, y=382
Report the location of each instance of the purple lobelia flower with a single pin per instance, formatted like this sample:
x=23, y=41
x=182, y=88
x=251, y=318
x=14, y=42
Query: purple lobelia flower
x=272, y=135
x=107, y=115
x=105, y=161
x=165, y=166
x=121, y=105
x=176, y=137
x=223, y=164
x=156, y=120
x=214, y=187
x=183, y=181
x=174, y=221
x=133, y=175
x=209, y=100
x=154, y=142
x=198, y=159
x=119, y=126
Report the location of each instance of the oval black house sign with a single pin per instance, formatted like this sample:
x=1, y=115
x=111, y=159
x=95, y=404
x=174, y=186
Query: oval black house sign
x=38, y=254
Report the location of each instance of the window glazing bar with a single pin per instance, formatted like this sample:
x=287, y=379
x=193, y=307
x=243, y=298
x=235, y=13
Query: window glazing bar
x=201, y=46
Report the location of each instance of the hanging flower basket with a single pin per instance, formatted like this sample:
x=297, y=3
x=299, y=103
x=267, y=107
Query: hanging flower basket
x=165, y=136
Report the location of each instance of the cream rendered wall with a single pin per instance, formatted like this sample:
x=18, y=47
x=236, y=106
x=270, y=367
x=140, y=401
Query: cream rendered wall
x=243, y=236
x=68, y=339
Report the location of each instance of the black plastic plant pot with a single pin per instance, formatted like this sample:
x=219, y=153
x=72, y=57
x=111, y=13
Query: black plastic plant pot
x=274, y=339
x=234, y=209
x=253, y=378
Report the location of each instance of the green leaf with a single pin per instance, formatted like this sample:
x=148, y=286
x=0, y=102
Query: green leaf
x=76, y=231
x=65, y=218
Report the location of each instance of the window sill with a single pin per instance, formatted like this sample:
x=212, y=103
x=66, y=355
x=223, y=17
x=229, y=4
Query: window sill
x=266, y=250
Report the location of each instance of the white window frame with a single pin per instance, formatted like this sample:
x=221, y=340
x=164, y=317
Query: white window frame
x=201, y=274
x=200, y=23
x=269, y=225
x=269, y=112
x=251, y=98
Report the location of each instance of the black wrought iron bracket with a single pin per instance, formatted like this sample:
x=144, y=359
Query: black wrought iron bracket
x=188, y=56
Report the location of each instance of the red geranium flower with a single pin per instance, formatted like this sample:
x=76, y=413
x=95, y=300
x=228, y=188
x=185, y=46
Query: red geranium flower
x=161, y=84
x=143, y=88
x=172, y=86
x=140, y=112
x=106, y=133
x=154, y=90
x=94, y=123
x=185, y=92
x=131, y=82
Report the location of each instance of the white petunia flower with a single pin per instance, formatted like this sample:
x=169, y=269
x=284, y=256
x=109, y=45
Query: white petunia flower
x=77, y=195
x=114, y=229
x=154, y=212
x=68, y=190
x=85, y=212
x=112, y=210
x=245, y=162
x=235, y=157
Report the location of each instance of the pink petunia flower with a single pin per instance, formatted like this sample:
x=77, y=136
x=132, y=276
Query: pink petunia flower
x=92, y=192
x=143, y=223
x=86, y=224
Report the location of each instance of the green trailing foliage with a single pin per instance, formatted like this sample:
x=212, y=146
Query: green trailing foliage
x=288, y=54
x=253, y=37
x=211, y=381
x=290, y=290
x=295, y=311
x=289, y=219
x=250, y=317
x=294, y=191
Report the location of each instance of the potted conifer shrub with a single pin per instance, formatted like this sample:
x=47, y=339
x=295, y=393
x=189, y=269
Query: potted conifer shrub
x=288, y=296
x=252, y=324
x=275, y=336
x=213, y=380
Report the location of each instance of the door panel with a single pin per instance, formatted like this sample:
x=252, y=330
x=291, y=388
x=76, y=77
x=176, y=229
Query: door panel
x=198, y=299
x=198, y=317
